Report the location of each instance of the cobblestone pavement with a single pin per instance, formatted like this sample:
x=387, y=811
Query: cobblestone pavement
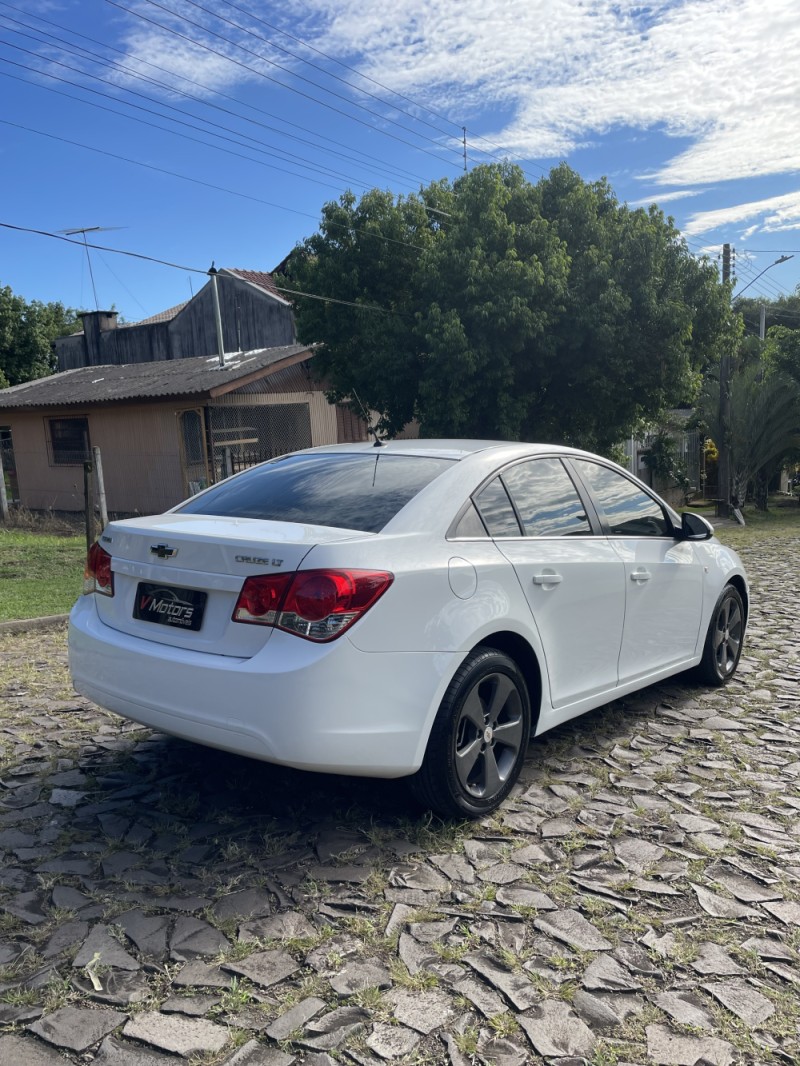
x=637, y=900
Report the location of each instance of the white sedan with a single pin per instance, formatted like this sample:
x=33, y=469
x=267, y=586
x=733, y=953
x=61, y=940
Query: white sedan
x=419, y=608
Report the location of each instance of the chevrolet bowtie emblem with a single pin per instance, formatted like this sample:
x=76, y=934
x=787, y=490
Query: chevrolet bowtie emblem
x=163, y=551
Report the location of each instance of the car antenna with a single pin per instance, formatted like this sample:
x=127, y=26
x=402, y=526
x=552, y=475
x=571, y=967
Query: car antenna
x=370, y=429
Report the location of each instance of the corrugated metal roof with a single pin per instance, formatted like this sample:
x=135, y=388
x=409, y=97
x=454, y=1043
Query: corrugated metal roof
x=135, y=381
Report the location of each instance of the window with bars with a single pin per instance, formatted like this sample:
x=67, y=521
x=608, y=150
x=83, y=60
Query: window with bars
x=68, y=441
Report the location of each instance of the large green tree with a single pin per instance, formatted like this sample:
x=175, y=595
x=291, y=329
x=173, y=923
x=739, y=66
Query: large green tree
x=27, y=330
x=493, y=307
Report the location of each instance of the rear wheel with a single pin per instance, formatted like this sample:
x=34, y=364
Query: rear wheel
x=724, y=639
x=479, y=738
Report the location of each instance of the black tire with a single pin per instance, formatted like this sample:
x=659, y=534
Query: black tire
x=724, y=640
x=479, y=738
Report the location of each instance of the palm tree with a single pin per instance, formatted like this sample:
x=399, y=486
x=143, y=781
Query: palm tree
x=765, y=422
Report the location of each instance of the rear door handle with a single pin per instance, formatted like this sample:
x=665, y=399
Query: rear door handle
x=547, y=579
x=641, y=575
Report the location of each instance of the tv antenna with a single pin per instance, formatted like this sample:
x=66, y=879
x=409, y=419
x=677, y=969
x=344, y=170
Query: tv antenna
x=83, y=230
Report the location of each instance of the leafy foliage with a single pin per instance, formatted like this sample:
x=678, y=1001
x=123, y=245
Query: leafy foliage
x=507, y=309
x=27, y=330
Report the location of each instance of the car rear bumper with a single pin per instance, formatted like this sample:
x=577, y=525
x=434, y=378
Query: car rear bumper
x=328, y=708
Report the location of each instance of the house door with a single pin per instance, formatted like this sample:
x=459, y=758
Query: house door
x=8, y=465
x=194, y=454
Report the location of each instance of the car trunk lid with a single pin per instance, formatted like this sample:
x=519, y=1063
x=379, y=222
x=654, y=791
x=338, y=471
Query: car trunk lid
x=177, y=577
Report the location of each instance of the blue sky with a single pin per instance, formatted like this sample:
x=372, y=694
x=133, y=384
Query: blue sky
x=200, y=130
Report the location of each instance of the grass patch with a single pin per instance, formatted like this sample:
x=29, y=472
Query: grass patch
x=40, y=573
x=781, y=520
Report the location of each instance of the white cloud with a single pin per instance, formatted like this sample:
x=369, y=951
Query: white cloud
x=722, y=73
x=775, y=214
x=719, y=77
x=664, y=197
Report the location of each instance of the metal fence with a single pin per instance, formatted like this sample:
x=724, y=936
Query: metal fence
x=243, y=436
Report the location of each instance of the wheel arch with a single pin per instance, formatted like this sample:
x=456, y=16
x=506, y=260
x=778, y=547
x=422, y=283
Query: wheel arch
x=518, y=649
x=740, y=585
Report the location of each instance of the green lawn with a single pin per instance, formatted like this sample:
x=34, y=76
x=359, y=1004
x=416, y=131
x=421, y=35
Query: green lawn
x=40, y=573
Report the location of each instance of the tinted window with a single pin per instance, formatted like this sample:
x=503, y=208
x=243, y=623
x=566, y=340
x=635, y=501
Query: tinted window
x=470, y=524
x=349, y=491
x=546, y=499
x=629, y=511
x=496, y=510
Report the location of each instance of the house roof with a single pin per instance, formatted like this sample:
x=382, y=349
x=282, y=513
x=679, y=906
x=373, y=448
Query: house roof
x=259, y=278
x=139, y=381
x=162, y=316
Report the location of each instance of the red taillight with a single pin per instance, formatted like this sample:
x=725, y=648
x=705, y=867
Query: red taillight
x=316, y=604
x=260, y=599
x=97, y=577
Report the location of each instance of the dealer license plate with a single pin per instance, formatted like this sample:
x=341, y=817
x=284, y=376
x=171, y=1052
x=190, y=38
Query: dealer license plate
x=168, y=606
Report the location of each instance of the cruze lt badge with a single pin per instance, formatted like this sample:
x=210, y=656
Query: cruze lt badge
x=258, y=560
x=163, y=551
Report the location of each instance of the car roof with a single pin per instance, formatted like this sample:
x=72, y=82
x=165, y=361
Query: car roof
x=445, y=448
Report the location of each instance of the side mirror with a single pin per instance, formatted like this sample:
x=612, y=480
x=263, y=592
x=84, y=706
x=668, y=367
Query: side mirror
x=695, y=527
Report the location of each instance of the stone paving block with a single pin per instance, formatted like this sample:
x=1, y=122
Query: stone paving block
x=103, y=949
x=424, y=1011
x=571, y=927
x=27, y=1051
x=192, y=937
x=264, y=968
x=295, y=1018
x=176, y=1033
x=116, y=1052
x=555, y=1030
x=743, y=1000
x=254, y=1054
x=666, y=1048
x=76, y=1028
x=392, y=1041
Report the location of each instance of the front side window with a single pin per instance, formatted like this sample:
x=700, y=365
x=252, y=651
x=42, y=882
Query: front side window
x=69, y=441
x=628, y=510
x=547, y=501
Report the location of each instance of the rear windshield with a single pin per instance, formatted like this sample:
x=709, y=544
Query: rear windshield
x=362, y=491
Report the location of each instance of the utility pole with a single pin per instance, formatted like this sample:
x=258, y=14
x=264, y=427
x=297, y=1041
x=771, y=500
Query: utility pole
x=724, y=443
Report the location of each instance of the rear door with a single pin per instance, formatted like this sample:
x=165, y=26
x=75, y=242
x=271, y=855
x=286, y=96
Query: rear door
x=663, y=576
x=572, y=577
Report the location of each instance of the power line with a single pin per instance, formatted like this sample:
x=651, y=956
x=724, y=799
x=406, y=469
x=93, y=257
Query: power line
x=193, y=270
x=314, y=66
x=296, y=161
x=115, y=65
x=328, y=74
x=207, y=184
x=498, y=152
x=339, y=63
x=253, y=70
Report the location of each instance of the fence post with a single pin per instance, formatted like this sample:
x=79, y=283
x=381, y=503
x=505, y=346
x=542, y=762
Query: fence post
x=88, y=501
x=3, y=497
x=101, y=487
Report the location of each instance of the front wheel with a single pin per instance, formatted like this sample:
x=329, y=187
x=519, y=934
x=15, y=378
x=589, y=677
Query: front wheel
x=477, y=745
x=724, y=640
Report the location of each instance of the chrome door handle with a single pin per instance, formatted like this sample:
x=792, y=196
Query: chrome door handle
x=641, y=575
x=547, y=579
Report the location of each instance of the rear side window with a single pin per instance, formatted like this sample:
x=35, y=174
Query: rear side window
x=546, y=499
x=496, y=510
x=362, y=491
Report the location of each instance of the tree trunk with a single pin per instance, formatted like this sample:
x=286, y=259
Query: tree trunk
x=761, y=495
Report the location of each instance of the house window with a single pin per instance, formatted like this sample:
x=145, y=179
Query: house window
x=68, y=441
